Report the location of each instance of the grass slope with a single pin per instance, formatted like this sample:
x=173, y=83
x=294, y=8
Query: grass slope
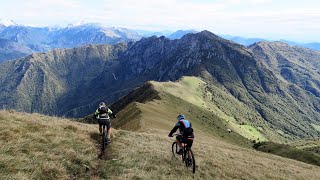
x=173, y=99
x=289, y=152
x=161, y=115
x=195, y=91
x=34, y=146
x=312, y=145
x=147, y=155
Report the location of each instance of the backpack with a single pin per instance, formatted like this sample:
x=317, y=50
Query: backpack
x=187, y=132
x=103, y=112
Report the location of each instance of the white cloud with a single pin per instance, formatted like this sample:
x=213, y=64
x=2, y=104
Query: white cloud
x=238, y=17
x=47, y=4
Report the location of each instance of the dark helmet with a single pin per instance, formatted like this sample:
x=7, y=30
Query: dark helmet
x=102, y=104
x=180, y=116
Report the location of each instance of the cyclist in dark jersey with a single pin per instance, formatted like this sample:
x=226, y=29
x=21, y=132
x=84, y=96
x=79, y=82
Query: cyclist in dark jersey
x=186, y=132
x=102, y=114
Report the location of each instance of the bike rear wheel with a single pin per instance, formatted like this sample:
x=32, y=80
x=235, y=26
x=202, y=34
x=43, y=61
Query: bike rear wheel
x=190, y=161
x=103, y=139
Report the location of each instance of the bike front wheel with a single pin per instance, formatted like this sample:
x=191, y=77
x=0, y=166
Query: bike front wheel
x=174, y=149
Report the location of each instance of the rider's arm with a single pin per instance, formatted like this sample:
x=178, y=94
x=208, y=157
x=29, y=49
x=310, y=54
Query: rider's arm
x=176, y=127
x=173, y=130
x=111, y=113
x=96, y=113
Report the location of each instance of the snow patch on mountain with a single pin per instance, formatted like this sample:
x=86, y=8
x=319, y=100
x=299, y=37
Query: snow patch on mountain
x=7, y=23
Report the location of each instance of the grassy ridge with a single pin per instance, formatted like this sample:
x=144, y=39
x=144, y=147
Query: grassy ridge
x=42, y=147
x=173, y=99
x=161, y=114
x=196, y=91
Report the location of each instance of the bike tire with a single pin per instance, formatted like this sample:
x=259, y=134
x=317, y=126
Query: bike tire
x=192, y=164
x=107, y=142
x=103, y=140
x=183, y=155
x=174, y=149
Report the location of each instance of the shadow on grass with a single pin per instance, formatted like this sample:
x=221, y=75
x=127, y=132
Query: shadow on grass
x=288, y=152
x=95, y=137
x=102, y=154
x=97, y=140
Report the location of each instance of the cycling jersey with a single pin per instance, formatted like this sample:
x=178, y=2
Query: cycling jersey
x=103, y=112
x=184, y=127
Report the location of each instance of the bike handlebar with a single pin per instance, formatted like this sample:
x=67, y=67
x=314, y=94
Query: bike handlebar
x=175, y=135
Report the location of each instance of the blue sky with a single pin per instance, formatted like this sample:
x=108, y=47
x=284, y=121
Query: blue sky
x=272, y=19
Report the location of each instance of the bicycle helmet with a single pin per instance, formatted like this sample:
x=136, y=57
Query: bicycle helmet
x=102, y=104
x=180, y=116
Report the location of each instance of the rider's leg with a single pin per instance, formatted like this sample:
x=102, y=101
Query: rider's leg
x=179, y=139
x=180, y=147
x=109, y=130
x=189, y=145
x=100, y=126
x=109, y=133
x=179, y=144
x=100, y=129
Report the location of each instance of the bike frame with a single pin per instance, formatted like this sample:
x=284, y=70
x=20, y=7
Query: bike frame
x=104, y=138
x=187, y=152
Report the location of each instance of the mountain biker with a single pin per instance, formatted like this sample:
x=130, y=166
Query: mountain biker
x=186, y=132
x=102, y=114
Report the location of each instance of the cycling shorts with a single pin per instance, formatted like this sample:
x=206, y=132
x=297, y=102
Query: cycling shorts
x=104, y=122
x=188, y=141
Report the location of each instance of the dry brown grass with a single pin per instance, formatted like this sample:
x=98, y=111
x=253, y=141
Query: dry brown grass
x=34, y=146
x=147, y=155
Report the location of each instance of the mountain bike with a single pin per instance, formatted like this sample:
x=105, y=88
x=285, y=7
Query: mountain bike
x=187, y=155
x=104, y=141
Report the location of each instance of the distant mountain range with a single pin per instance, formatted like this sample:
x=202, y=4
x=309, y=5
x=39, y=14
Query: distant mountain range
x=242, y=40
x=266, y=85
x=178, y=34
x=248, y=41
x=43, y=39
x=314, y=45
x=237, y=39
x=12, y=50
x=169, y=34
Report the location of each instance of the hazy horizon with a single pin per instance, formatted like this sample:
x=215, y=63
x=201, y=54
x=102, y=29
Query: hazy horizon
x=267, y=19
